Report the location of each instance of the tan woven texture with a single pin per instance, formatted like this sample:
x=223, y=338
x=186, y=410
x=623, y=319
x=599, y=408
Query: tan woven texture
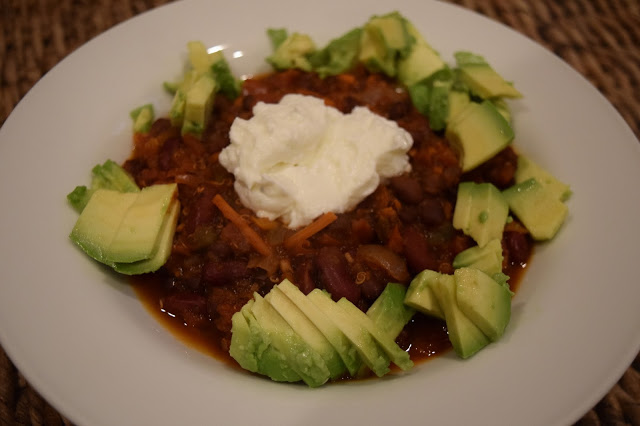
x=598, y=38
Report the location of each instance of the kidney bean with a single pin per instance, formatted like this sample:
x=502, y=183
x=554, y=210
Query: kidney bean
x=407, y=189
x=431, y=212
x=417, y=251
x=334, y=276
x=517, y=247
x=383, y=259
x=218, y=273
x=372, y=287
x=165, y=156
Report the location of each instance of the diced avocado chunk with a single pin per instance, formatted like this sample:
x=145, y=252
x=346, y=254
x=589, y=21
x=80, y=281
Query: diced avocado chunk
x=388, y=312
x=293, y=52
x=482, y=79
x=488, y=259
x=162, y=249
x=269, y=361
x=305, y=361
x=142, y=117
x=480, y=212
x=338, y=56
x=420, y=294
x=398, y=356
x=466, y=338
x=99, y=222
x=421, y=63
x=479, y=132
x=538, y=208
x=277, y=36
x=109, y=175
x=336, y=337
x=136, y=237
x=458, y=100
x=439, y=104
x=228, y=84
x=198, y=104
x=527, y=169
x=369, y=351
x=306, y=329
x=483, y=301
x=385, y=39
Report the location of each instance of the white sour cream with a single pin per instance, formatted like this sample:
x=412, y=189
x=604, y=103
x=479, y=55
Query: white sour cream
x=298, y=159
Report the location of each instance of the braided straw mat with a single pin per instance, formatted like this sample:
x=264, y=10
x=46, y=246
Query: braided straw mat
x=599, y=38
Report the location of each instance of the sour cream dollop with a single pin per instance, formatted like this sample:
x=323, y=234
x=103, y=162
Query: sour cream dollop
x=299, y=158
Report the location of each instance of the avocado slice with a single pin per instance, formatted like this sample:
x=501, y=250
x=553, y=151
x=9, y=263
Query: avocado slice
x=395, y=353
x=376, y=359
x=137, y=235
x=162, y=249
x=479, y=132
x=306, y=329
x=420, y=294
x=488, y=259
x=528, y=169
x=334, y=335
x=481, y=211
x=142, y=117
x=538, y=208
x=458, y=100
x=483, y=301
x=242, y=347
x=99, y=222
x=303, y=359
x=268, y=359
x=466, y=338
x=388, y=312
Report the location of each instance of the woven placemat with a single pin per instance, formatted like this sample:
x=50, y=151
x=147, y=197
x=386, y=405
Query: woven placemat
x=599, y=38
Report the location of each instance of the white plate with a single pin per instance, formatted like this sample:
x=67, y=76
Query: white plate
x=81, y=337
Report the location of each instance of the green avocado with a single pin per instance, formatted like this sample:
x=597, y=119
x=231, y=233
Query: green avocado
x=305, y=328
x=99, y=222
x=420, y=294
x=482, y=79
x=384, y=40
x=389, y=312
x=458, y=100
x=242, y=347
x=395, y=353
x=109, y=175
x=269, y=361
x=484, y=301
x=338, y=56
x=466, y=338
x=162, y=249
x=374, y=357
x=480, y=212
x=142, y=118
x=527, y=169
x=293, y=52
x=302, y=358
x=129, y=231
x=198, y=103
x=478, y=132
x=537, y=207
x=421, y=63
x=137, y=235
x=334, y=335
x=488, y=259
